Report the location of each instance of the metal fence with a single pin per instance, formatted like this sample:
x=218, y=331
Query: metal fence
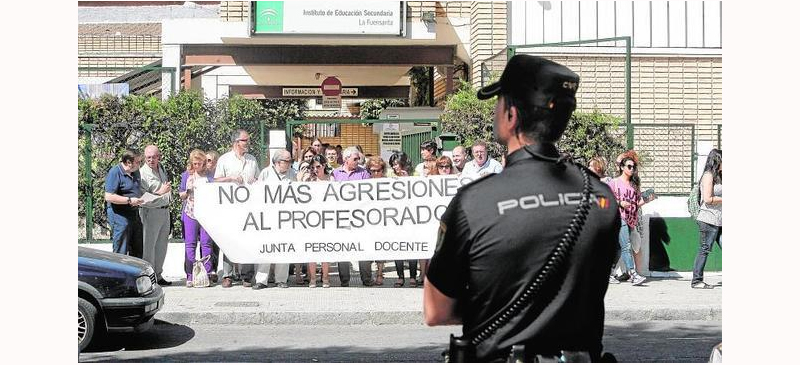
x=669, y=146
x=669, y=154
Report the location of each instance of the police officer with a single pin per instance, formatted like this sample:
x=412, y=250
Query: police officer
x=497, y=232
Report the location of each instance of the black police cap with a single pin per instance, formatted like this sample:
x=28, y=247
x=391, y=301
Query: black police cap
x=537, y=81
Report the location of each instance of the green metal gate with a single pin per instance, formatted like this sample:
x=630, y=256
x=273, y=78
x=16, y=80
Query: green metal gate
x=411, y=144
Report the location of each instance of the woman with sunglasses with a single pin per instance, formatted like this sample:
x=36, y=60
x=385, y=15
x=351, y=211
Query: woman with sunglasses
x=444, y=166
x=709, y=218
x=316, y=170
x=627, y=191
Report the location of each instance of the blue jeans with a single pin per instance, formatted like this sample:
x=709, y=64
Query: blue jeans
x=709, y=234
x=126, y=232
x=625, y=246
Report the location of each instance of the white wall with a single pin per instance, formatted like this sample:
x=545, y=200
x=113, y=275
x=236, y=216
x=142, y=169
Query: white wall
x=673, y=26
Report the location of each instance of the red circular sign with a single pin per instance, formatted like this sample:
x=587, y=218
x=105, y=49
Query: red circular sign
x=331, y=86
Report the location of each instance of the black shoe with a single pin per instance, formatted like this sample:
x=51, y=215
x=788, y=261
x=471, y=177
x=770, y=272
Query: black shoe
x=259, y=286
x=345, y=284
x=624, y=277
x=163, y=282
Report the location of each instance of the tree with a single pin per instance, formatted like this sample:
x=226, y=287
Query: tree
x=177, y=125
x=471, y=119
x=587, y=135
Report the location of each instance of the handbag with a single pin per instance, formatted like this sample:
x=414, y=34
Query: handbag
x=199, y=273
x=463, y=349
x=693, y=203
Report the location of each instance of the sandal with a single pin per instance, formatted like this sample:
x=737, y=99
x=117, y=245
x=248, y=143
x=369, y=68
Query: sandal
x=399, y=283
x=412, y=283
x=702, y=285
x=326, y=284
x=379, y=281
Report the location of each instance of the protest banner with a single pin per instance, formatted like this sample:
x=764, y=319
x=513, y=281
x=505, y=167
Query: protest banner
x=288, y=222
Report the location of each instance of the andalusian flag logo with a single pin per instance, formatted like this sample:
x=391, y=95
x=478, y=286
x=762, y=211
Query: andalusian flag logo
x=269, y=17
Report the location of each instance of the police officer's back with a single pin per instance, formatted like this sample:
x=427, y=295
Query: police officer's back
x=498, y=231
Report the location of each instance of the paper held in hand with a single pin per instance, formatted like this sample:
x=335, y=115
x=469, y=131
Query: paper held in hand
x=147, y=197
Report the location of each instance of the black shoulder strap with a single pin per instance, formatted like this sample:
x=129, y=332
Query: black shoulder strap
x=555, y=267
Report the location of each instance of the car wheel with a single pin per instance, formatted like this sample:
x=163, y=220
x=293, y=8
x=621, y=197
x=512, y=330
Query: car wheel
x=86, y=323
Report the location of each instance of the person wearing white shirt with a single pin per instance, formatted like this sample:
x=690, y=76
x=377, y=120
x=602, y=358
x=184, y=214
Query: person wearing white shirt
x=427, y=150
x=237, y=166
x=481, y=165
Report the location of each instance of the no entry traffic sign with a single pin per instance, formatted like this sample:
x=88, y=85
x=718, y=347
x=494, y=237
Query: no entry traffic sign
x=331, y=86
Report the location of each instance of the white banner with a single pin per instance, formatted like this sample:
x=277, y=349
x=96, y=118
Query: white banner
x=289, y=222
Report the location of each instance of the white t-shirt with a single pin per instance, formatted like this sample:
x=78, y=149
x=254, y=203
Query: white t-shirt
x=419, y=170
x=271, y=174
x=229, y=165
x=471, y=168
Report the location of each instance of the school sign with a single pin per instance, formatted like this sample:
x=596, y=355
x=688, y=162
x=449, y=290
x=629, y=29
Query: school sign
x=328, y=17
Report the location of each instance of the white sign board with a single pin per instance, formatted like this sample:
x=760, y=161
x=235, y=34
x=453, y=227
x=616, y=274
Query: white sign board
x=372, y=219
x=331, y=102
x=328, y=17
x=315, y=91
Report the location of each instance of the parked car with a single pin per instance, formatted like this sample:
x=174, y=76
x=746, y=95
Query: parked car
x=116, y=293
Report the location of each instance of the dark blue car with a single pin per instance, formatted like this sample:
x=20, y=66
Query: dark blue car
x=116, y=293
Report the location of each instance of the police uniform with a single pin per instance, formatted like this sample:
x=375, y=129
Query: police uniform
x=497, y=233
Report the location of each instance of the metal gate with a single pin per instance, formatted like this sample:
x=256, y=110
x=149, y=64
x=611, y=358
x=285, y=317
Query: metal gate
x=410, y=143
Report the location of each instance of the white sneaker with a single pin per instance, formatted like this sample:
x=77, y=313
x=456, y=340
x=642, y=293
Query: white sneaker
x=637, y=279
x=612, y=280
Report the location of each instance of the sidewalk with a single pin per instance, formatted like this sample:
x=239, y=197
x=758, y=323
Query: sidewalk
x=658, y=299
x=664, y=296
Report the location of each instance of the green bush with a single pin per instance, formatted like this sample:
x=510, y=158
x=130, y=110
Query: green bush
x=471, y=119
x=372, y=108
x=587, y=135
x=177, y=125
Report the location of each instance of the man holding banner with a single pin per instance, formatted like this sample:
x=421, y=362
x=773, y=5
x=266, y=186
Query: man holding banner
x=237, y=166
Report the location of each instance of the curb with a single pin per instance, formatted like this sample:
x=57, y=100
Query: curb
x=405, y=318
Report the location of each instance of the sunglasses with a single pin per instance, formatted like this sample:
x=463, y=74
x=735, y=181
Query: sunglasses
x=445, y=167
x=375, y=171
x=243, y=140
x=630, y=167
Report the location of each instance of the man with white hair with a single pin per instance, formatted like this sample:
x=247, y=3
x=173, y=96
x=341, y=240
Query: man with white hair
x=155, y=213
x=350, y=170
x=279, y=170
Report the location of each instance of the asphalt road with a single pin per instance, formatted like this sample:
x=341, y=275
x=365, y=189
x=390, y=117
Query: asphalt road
x=653, y=341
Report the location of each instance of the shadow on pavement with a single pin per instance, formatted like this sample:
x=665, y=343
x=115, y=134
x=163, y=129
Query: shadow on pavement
x=426, y=354
x=161, y=336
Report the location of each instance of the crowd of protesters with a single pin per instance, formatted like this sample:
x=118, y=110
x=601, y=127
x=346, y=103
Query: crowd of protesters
x=138, y=199
x=137, y=219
